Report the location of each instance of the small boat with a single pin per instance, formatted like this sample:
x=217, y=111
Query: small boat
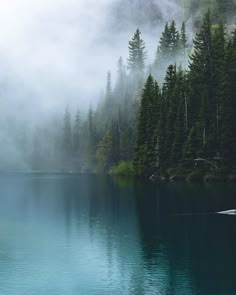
x=228, y=212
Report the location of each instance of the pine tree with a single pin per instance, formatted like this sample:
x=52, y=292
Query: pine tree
x=121, y=73
x=77, y=134
x=165, y=42
x=218, y=42
x=146, y=150
x=120, y=91
x=104, y=153
x=174, y=39
x=226, y=9
x=171, y=106
x=183, y=42
x=137, y=54
x=179, y=121
x=228, y=125
x=115, y=149
x=191, y=148
x=92, y=141
x=108, y=88
x=183, y=36
x=67, y=145
x=108, y=111
x=202, y=101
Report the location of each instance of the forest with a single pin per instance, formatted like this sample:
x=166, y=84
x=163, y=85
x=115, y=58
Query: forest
x=186, y=125
x=172, y=118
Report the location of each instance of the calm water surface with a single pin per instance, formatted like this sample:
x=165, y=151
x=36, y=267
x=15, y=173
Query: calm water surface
x=79, y=235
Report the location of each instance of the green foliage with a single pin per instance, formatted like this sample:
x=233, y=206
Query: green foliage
x=146, y=148
x=172, y=48
x=196, y=109
x=137, y=54
x=140, y=128
x=124, y=168
x=103, y=153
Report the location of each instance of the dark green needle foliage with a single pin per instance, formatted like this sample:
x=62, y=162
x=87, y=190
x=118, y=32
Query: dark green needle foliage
x=146, y=149
x=163, y=121
x=137, y=54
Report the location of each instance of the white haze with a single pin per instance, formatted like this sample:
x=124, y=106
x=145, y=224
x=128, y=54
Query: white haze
x=57, y=53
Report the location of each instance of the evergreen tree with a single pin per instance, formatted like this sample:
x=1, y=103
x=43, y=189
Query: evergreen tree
x=121, y=73
x=104, y=153
x=170, y=110
x=202, y=101
x=183, y=42
x=177, y=112
x=108, y=88
x=115, y=149
x=183, y=37
x=76, y=134
x=228, y=125
x=164, y=47
x=218, y=41
x=92, y=140
x=137, y=54
x=191, y=148
x=120, y=91
x=174, y=39
x=67, y=146
x=146, y=150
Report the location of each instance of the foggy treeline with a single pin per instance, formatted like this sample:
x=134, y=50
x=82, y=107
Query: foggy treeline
x=155, y=114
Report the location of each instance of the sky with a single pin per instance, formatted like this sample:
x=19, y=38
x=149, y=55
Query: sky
x=54, y=53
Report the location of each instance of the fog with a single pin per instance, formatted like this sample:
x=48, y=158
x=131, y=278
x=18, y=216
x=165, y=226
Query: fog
x=57, y=53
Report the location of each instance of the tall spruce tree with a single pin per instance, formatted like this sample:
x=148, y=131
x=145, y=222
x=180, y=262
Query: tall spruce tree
x=202, y=100
x=178, y=111
x=137, y=54
x=146, y=147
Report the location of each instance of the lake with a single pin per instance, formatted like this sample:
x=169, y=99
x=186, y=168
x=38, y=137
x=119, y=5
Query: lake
x=85, y=234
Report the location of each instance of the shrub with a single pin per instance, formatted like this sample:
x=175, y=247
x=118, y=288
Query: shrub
x=123, y=168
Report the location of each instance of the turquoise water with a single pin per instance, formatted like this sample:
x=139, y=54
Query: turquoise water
x=76, y=235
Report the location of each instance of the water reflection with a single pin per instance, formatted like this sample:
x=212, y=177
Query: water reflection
x=99, y=235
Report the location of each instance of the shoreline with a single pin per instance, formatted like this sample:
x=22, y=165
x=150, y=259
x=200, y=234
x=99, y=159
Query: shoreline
x=188, y=178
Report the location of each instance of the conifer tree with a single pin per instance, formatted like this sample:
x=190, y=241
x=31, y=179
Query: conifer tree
x=108, y=88
x=183, y=42
x=218, y=41
x=174, y=39
x=67, y=144
x=183, y=36
x=178, y=120
x=191, y=148
x=228, y=125
x=165, y=41
x=76, y=134
x=202, y=101
x=120, y=91
x=137, y=54
x=92, y=140
x=146, y=152
x=115, y=149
